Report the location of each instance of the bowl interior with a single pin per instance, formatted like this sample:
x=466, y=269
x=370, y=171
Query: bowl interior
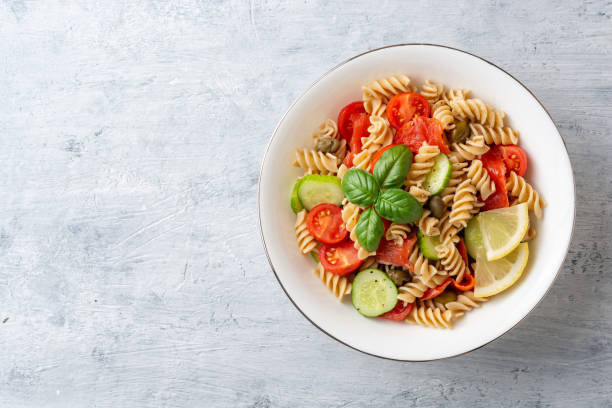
x=549, y=172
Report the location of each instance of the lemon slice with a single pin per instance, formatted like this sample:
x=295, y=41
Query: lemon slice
x=493, y=277
x=503, y=229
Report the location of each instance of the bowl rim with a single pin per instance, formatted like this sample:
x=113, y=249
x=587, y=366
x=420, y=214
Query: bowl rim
x=274, y=134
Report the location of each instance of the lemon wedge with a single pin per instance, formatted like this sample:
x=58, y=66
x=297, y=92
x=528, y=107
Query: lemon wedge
x=493, y=277
x=503, y=229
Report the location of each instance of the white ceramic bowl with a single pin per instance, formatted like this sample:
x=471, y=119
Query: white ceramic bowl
x=549, y=171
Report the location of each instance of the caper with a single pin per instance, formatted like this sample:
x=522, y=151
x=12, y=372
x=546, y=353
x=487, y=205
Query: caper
x=398, y=276
x=436, y=206
x=327, y=144
x=461, y=131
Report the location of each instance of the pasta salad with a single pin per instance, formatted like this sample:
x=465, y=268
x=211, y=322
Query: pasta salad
x=414, y=202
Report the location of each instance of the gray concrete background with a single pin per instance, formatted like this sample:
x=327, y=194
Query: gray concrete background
x=131, y=270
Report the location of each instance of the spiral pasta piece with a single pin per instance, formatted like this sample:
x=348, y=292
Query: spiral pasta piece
x=442, y=111
x=463, y=204
x=473, y=147
x=421, y=267
x=428, y=224
x=495, y=135
x=465, y=302
x=342, y=171
x=411, y=291
x=422, y=164
x=430, y=317
x=338, y=285
x=384, y=89
x=432, y=91
x=306, y=242
x=457, y=176
x=419, y=193
x=448, y=231
x=477, y=111
x=350, y=216
x=451, y=94
x=316, y=162
x=341, y=152
x=519, y=188
x=480, y=179
x=369, y=262
x=329, y=128
x=397, y=233
x=380, y=134
x=530, y=235
x=451, y=260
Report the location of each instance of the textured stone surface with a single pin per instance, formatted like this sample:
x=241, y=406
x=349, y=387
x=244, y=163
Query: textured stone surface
x=131, y=270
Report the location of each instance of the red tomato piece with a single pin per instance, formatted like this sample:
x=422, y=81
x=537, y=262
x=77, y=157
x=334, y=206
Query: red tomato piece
x=339, y=259
x=403, y=107
x=515, y=159
x=419, y=130
x=433, y=292
x=399, y=312
x=493, y=162
x=360, y=129
x=345, y=119
x=348, y=160
x=377, y=156
x=466, y=284
x=463, y=251
x=325, y=223
x=390, y=253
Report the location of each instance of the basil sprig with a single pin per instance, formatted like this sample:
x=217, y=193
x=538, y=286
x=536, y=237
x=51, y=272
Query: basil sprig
x=398, y=206
x=360, y=187
x=370, y=229
x=382, y=190
x=392, y=168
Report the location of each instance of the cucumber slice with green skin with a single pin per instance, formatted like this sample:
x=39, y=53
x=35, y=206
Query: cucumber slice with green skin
x=315, y=189
x=296, y=204
x=428, y=245
x=439, y=175
x=473, y=239
x=373, y=293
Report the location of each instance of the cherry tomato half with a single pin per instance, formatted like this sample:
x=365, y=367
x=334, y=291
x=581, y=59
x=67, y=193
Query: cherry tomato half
x=325, y=223
x=433, y=292
x=493, y=162
x=515, y=159
x=345, y=119
x=361, y=123
x=403, y=107
x=399, y=312
x=390, y=253
x=339, y=259
x=419, y=130
x=377, y=156
x=348, y=160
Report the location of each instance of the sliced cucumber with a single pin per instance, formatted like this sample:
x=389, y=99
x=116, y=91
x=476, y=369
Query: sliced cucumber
x=315, y=189
x=296, y=204
x=373, y=292
x=439, y=175
x=428, y=245
x=473, y=238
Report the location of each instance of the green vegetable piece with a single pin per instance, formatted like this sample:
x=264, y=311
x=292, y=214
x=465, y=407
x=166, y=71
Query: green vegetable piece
x=461, y=132
x=315, y=256
x=473, y=239
x=399, y=276
x=315, y=189
x=369, y=229
x=296, y=204
x=427, y=245
x=446, y=297
x=360, y=187
x=439, y=175
x=373, y=293
x=398, y=206
x=391, y=169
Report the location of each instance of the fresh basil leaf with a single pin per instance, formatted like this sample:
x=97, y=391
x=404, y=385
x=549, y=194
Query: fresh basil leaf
x=392, y=167
x=398, y=206
x=360, y=187
x=370, y=229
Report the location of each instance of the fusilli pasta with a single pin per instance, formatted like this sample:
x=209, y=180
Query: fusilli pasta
x=463, y=204
x=451, y=260
x=442, y=111
x=480, y=179
x=422, y=164
x=477, y=111
x=432, y=91
x=383, y=89
x=397, y=233
x=306, y=242
x=519, y=188
x=465, y=302
x=428, y=224
x=451, y=94
x=495, y=135
x=326, y=129
x=419, y=193
x=430, y=317
x=316, y=162
x=473, y=147
x=338, y=285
